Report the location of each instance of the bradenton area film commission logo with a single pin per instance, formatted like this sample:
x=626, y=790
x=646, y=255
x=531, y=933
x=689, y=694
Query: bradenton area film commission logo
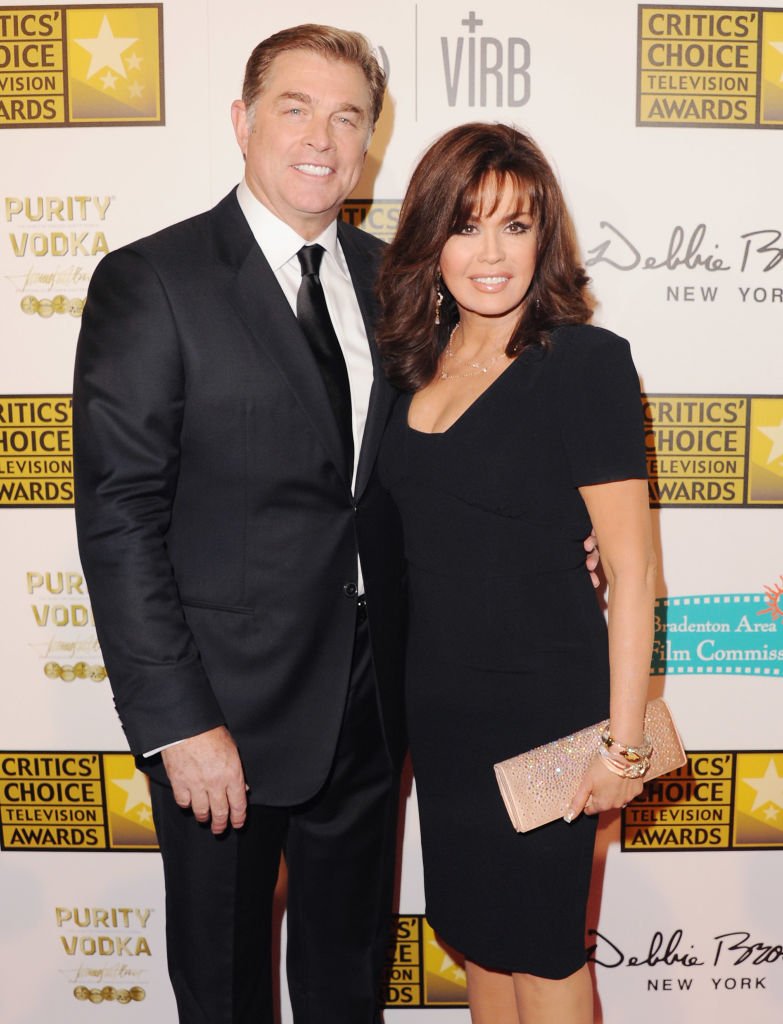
x=74, y=801
x=77, y=66
x=718, y=800
x=710, y=67
x=720, y=634
x=714, y=450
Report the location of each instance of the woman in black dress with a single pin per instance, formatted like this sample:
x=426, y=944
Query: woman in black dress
x=521, y=425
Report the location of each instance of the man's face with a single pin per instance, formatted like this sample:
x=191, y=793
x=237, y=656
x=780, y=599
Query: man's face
x=305, y=141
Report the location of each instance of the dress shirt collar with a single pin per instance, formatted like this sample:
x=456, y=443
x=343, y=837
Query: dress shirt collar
x=279, y=242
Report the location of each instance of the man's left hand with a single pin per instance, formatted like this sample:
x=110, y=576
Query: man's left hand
x=593, y=558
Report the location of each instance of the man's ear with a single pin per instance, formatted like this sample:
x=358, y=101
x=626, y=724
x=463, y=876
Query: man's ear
x=239, y=120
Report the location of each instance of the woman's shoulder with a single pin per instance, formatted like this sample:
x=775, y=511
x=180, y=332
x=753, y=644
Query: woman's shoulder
x=580, y=341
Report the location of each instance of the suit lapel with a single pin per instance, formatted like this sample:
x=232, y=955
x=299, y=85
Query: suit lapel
x=362, y=270
x=263, y=307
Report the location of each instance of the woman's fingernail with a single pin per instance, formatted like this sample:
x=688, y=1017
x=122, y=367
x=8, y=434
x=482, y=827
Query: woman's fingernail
x=568, y=817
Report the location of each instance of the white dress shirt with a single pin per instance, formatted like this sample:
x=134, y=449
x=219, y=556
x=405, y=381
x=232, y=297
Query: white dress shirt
x=280, y=243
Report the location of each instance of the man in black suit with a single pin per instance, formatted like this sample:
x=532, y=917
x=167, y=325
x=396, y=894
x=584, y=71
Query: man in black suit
x=230, y=525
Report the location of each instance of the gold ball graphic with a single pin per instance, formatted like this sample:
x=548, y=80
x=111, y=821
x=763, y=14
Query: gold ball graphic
x=95, y=995
x=75, y=307
x=59, y=303
x=67, y=674
x=29, y=305
x=81, y=993
x=45, y=308
x=52, y=670
x=137, y=994
x=123, y=995
x=80, y=669
x=97, y=673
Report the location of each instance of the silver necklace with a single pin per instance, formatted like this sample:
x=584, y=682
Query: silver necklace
x=474, y=369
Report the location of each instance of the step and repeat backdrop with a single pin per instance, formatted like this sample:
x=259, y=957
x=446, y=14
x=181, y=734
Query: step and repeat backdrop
x=664, y=123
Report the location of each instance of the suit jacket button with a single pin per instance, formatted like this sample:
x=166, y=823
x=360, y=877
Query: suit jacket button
x=350, y=589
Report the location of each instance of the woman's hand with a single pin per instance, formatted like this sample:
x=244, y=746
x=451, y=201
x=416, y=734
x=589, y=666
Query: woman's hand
x=602, y=790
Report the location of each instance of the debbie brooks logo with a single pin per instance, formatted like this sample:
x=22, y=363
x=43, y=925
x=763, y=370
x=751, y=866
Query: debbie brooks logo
x=720, y=634
x=689, y=959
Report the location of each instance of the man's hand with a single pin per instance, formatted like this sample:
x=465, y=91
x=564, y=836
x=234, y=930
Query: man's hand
x=206, y=774
x=593, y=558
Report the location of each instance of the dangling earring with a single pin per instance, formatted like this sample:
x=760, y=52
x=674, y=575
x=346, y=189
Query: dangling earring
x=538, y=308
x=438, y=299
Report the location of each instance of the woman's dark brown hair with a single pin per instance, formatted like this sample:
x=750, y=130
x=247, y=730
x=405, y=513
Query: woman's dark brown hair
x=455, y=179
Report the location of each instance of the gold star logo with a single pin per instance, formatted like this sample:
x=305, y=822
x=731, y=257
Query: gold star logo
x=109, y=80
x=136, y=794
x=769, y=788
x=448, y=967
x=775, y=434
x=106, y=50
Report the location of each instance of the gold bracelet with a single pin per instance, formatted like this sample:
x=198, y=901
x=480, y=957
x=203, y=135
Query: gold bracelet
x=632, y=754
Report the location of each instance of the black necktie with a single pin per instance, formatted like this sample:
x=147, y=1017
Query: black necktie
x=316, y=323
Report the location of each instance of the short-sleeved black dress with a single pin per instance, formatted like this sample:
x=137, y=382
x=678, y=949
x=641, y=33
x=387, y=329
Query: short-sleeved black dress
x=508, y=646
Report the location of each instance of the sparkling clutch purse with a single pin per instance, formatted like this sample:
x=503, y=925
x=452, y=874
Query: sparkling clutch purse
x=537, y=786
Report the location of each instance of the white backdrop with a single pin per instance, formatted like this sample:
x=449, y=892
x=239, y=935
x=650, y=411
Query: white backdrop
x=663, y=124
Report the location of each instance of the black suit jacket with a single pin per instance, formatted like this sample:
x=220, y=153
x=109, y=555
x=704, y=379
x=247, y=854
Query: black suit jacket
x=218, y=538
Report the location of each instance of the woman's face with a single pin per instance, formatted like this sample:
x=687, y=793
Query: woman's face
x=489, y=263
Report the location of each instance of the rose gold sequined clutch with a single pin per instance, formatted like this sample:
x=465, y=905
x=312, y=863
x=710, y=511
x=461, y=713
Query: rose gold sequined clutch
x=537, y=786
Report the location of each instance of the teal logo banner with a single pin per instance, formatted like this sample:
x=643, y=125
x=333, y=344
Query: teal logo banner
x=720, y=634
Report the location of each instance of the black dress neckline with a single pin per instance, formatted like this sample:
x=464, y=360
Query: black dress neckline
x=465, y=412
